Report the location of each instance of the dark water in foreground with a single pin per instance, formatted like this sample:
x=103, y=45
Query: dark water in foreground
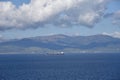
x=62, y=67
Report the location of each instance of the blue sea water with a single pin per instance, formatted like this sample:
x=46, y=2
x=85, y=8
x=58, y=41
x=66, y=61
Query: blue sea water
x=60, y=67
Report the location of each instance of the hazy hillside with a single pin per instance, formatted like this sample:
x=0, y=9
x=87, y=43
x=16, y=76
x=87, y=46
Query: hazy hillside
x=62, y=43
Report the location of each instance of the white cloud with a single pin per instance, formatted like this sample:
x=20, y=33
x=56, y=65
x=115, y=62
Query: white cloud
x=89, y=19
x=56, y=12
x=6, y=14
x=115, y=34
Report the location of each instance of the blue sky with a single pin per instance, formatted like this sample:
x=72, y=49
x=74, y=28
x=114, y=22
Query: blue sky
x=104, y=25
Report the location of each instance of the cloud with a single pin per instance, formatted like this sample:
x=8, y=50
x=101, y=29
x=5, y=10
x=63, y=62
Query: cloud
x=62, y=13
x=1, y=36
x=116, y=18
x=115, y=34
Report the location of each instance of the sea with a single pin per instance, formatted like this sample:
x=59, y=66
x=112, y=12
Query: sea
x=60, y=67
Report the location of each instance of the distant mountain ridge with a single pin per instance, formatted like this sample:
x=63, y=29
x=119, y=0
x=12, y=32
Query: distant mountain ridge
x=57, y=43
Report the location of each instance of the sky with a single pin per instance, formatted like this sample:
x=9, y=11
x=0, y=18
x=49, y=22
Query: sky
x=30, y=18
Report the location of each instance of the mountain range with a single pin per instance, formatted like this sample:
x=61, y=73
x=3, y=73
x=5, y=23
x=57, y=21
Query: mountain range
x=55, y=44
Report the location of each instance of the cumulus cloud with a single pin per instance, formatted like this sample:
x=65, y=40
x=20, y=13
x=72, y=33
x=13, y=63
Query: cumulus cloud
x=39, y=13
x=115, y=34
